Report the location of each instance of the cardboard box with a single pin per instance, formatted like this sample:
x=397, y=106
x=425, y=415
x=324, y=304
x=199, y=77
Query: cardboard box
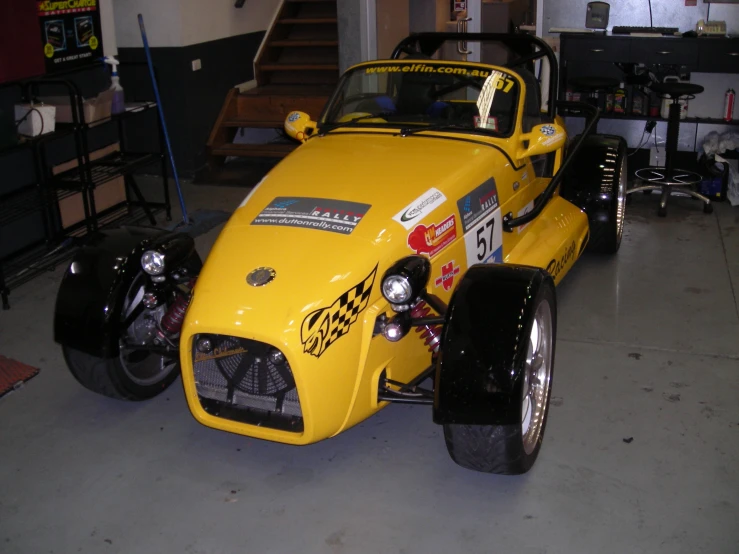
x=40, y=121
x=108, y=194
x=94, y=109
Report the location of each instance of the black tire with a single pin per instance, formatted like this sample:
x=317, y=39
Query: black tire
x=107, y=376
x=606, y=226
x=500, y=448
x=133, y=374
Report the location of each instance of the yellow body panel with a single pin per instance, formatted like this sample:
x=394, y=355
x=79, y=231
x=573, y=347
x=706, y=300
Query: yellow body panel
x=315, y=267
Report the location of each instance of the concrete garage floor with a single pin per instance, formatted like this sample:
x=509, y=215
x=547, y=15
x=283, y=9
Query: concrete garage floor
x=648, y=348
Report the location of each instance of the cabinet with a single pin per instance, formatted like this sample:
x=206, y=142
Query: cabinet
x=612, y=56
x=42, y=222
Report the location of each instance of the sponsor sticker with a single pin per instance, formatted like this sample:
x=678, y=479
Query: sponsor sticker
x=548, y=130
x=526, y=209
x=335, y=216
x=448, y=272
x=484, y=242
x=322, y=327
x=478, y=204
x=433, y=238
x=420, y=208
x=294, y=116
x=555, y=267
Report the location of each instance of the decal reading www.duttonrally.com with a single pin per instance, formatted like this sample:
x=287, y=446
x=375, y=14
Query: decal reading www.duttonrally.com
x=420, y=208
x=477, y=204
x=336, y=216
x=484, y=242
x=324, y=326
x=433, y=238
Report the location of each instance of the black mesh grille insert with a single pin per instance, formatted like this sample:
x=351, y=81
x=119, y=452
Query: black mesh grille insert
x=238, y=379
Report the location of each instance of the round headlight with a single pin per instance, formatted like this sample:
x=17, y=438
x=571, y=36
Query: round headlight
x=153, y=262
x=397, y=289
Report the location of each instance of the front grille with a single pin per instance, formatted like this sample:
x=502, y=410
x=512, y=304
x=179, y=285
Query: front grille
x=236, y=379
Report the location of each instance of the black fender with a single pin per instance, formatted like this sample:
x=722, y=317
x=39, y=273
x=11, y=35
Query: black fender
x=588, y=182
x=478, y=379
x=89, y=302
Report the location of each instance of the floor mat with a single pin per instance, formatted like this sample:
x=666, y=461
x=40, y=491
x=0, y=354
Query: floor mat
x=13, y=374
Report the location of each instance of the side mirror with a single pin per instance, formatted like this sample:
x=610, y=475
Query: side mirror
x=542, y=139
x=299, y=126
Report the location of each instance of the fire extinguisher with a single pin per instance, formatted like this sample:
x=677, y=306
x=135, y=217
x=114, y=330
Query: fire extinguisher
x=729, y=101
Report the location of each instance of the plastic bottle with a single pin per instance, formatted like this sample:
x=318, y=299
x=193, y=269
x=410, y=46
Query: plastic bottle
x=118, y=105
x=619, y=100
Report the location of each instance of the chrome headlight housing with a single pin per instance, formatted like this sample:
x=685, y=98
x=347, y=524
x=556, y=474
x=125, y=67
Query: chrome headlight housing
x=152, y=262
x=405, y=281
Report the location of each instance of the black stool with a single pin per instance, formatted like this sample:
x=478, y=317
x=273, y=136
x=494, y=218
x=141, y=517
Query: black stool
x=593, y=84
x=669, y=177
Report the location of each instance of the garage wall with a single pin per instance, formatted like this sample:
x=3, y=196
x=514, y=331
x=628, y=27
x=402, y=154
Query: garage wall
x=225, y=39
x=665, y=13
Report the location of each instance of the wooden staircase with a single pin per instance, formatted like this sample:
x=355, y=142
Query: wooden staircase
x=297, y=68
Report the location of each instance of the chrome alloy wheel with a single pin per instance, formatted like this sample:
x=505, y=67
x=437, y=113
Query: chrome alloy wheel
x=621, y=201
x=537, y=373
x=143, y=367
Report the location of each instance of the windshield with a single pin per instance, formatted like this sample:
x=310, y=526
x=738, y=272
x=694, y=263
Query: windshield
x=420, y=94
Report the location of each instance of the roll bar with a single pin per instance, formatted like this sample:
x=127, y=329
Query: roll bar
x=525, y=45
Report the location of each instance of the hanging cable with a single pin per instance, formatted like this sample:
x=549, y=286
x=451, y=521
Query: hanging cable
x=651, y=24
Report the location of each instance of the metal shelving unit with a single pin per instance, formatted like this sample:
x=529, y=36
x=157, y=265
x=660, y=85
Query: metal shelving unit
x=44, y=195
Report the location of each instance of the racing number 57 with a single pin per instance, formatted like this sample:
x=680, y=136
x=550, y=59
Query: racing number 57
x=482, y=235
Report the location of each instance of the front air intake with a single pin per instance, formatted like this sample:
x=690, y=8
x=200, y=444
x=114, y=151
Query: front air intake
x=247, y=381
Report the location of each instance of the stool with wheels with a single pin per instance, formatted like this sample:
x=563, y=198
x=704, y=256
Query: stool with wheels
x=670, y=178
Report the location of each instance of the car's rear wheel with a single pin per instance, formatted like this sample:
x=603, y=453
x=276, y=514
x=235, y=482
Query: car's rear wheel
x=512, y=449
x=136, y=373
x=607, y=226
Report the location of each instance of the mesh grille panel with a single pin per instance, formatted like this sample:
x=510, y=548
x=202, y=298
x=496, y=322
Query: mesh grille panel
x=239, y=373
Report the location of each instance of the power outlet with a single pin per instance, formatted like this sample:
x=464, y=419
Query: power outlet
x=196, y=66
x=657, y=157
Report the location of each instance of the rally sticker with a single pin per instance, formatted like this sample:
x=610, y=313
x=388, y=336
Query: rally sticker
x=433, y=238
x=420, y=208
x=448, y=272
x=336, y=216
x=484, y=242
x=477, y=204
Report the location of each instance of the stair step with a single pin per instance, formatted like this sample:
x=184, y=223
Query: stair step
x=299, y=67
x=306, y=20
x=274, y=150
x=294, y=42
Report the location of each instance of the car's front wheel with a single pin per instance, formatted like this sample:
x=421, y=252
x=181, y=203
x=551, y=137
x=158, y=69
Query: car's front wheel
x=140, y=371
x=513, y=448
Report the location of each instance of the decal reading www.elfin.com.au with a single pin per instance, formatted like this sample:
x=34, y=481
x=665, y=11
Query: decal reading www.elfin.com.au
x=477, y=204
x=432, y=239
x=420, y=208
x=324, y=326
x=336, y=216
x=448, y=272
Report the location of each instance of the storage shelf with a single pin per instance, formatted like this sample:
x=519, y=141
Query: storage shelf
x=29, y=199
x=60, y=130
x=632, y=117
x=105, y=169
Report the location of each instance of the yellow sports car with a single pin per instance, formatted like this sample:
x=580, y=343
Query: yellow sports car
x=407, y=251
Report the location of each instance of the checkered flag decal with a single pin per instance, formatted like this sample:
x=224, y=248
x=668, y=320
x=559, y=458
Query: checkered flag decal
x=324, y=326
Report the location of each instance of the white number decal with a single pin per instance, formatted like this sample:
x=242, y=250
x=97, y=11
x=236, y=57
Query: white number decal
x=484, y=242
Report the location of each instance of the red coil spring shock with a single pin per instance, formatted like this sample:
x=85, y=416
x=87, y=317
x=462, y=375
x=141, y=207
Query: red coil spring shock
x=431, y=334
x=172, y=320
